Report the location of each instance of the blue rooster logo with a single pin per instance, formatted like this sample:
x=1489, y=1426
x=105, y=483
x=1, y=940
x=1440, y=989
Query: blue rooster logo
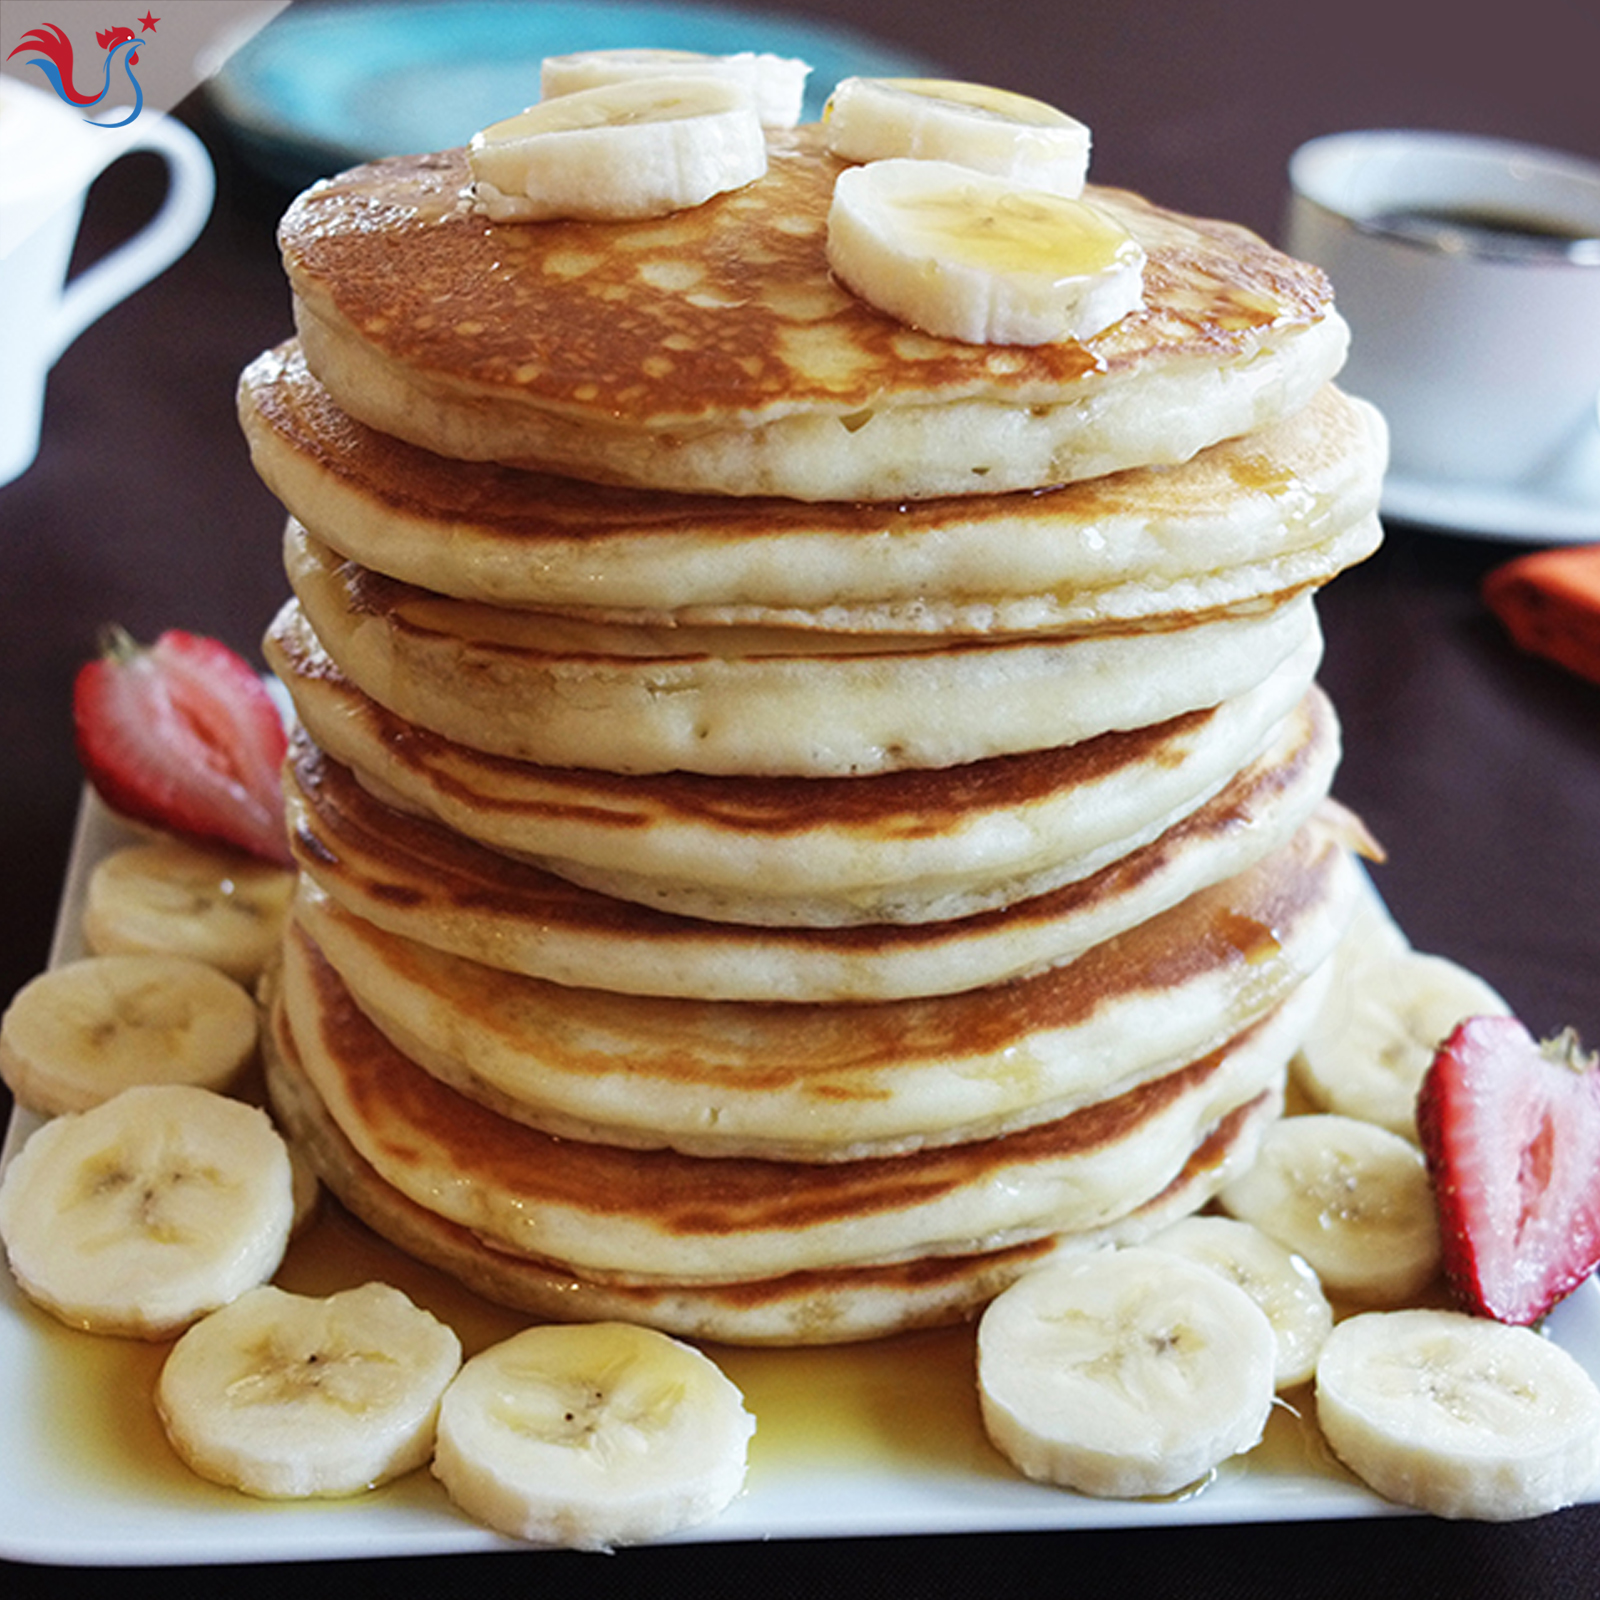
x=54, y=58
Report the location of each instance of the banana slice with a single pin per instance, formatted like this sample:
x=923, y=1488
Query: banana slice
x=140, y=1216
x=592, y=1436
x=1124, y=1372
x=968, y=256
x=939, y=119
x=622, y=151
x=777, y=84
x=1352, y=1198
x=1459, y=1416
x=1388, y=1009
x=290, y=1397
x=1279, y=1281
x=82, y=1032
x=174, y=898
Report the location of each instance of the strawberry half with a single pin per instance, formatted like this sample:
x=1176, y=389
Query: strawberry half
x=1510, y=1128
x=184, y=736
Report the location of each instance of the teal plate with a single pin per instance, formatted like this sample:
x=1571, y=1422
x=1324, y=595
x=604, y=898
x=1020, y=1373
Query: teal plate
x=321, y=88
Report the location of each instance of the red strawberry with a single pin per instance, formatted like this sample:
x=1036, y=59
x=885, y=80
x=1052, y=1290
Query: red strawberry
x=184, y=736
x=1510, y=1128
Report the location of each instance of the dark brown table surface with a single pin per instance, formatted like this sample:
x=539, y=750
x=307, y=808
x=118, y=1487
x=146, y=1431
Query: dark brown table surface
x=1476, y=765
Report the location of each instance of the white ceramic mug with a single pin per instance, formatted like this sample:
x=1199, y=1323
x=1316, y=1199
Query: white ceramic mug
x=48, y=158
x=1469, y=271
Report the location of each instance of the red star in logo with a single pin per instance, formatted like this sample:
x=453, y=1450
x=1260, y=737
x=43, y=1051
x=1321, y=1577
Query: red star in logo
x=147, y=23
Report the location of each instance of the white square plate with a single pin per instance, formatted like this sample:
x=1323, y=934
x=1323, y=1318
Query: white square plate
x=878, y=1439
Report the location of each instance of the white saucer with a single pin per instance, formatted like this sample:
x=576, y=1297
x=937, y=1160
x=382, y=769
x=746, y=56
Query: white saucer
x=1490, y=512
x=1563, y=508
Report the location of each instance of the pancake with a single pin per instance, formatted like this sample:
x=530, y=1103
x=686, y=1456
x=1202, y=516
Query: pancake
x=426, y=883
x=840, y=1082
x=712, y=351
x=558, y=691
x=915, y=846
x=825, y=1306
x=656, y=1216
x=797, y=820
x=1287, y=506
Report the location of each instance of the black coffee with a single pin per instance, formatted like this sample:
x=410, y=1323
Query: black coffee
x=1489, y=232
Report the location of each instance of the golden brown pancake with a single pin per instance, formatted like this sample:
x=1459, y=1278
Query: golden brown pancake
x=422, y=881
x=839, y=1082
x=563, y=691
x=636, y=562
x=656, y=1216
x=712, y=350
x=825, y=1306
x=1245, y=520
x=915, y=846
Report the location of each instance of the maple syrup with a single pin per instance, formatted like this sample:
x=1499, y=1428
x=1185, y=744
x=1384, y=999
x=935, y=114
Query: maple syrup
x=907, y=1404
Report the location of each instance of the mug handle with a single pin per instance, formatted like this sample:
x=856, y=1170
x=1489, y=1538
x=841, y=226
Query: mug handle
x=191, y=188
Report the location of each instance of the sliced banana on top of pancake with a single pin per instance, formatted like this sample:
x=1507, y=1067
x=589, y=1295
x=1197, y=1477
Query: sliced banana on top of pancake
x=965, y=255
x=620, y=151
x=776, y=83
x=941, y=119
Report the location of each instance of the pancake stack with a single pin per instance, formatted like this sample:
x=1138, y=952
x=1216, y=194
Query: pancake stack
x=799, y=820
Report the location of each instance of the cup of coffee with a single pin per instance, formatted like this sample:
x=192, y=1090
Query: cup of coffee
x=1469, y=271
x=49, y=155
